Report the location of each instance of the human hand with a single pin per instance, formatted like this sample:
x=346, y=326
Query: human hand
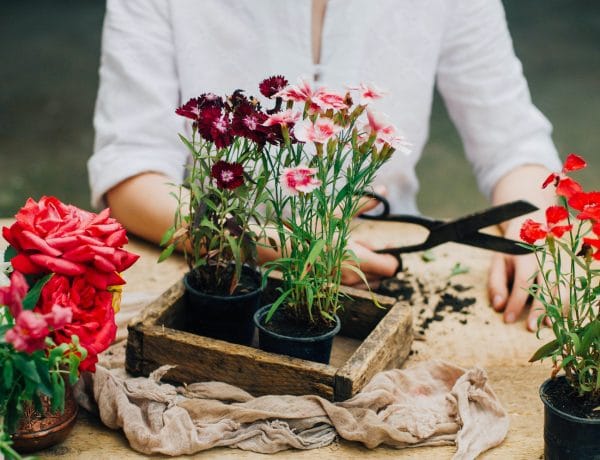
x=374, y=266
x=509, y=279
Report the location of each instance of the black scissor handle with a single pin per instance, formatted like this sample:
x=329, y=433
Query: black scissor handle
x=383, y=201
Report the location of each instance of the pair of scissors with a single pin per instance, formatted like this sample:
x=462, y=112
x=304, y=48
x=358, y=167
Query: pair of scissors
x=464, y=230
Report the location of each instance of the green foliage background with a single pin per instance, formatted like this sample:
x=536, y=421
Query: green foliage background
x=49, y=74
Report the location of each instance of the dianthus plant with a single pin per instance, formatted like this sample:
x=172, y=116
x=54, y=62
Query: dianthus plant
x=222, y=190
x=570, y=288
x=331, y=152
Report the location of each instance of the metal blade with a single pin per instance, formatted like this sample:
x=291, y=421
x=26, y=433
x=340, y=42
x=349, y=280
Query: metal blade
x=492, y=216
x=495, y=243
x=464, y=227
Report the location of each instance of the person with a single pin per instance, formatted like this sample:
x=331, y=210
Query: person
x=157, y=54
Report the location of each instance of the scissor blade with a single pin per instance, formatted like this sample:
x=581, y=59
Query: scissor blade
x=495, y=243
x=463, y=227
x=491, y=216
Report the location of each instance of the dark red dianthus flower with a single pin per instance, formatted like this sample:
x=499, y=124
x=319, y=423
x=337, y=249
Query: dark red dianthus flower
x=191, y=109
x=272, y=85
x=247, y=122
x=228, y=175
x=214, y=126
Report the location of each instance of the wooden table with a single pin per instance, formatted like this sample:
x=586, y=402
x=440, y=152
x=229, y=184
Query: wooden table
x=478, y=338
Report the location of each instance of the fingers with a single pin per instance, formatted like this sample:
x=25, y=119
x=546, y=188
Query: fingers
x=366, y=204
x=524, y=268
x=374, y=266
x=498, y=282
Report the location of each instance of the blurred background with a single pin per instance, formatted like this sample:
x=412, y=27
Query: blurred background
x=49, y=55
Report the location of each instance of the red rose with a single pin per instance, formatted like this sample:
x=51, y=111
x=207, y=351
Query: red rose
x=93, y=319
x=52, y=237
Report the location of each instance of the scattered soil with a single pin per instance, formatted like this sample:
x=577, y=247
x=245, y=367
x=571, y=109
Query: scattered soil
x=401, y=288
x=563, y=397
x=451, y=301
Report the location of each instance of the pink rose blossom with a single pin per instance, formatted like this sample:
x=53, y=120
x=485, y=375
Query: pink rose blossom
x=320, y=131
x=282, y=118
x=297, y=93
x=385, y=132
x=368, y=92
x=299, y=180
x=12, y=295
x=59, y=317
x=29, y=332
x=326, y=100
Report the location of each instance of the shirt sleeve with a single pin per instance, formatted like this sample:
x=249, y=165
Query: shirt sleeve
x=136, y=127
x=482, y=83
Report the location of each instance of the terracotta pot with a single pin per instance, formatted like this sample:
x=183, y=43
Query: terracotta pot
x=36, y=431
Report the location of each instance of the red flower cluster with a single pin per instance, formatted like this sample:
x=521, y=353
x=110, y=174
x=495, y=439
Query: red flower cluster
x=93, y=318
x=587, y=205
x=532, y=231
x=220, y=121
x=84, y=253
x=52, y=237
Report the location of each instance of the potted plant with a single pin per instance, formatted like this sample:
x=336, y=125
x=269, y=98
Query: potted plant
x=329, y=157
x=217, y=222
x=72, y=259
x=570, y=295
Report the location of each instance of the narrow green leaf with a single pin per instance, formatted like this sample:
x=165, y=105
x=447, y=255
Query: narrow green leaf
x=276, y=305
x=545, y=350
x=32, y=297
x=27, y=368
x=315, y=251
x=167, y=236
x=166, y=253
x=458, y=269
x=7, y=374
x=9, y=253
x=73, y=368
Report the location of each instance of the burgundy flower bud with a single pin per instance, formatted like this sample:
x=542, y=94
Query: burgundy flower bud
x=272, y=85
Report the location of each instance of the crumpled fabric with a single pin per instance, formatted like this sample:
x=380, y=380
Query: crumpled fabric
x=432, y=403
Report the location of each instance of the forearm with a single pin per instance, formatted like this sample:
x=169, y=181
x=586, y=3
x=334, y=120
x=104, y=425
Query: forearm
x=524, y=183
x=143, y=205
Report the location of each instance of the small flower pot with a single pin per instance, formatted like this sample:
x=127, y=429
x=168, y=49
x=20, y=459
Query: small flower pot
x=567, y=436
x=226, y=318
x=312, y=348
x=38, y=431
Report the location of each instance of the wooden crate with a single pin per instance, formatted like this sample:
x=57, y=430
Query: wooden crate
x=374, y=339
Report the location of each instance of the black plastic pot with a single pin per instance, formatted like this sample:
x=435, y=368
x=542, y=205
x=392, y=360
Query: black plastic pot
x=228, y=318
x=567, y=436
x=315, y=348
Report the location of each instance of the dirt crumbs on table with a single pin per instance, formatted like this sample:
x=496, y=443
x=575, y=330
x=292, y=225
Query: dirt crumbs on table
x=438, y=302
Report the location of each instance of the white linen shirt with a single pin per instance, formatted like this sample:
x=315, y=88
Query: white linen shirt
x=156, y=54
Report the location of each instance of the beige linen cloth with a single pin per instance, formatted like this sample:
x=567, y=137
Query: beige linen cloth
x=432, y=403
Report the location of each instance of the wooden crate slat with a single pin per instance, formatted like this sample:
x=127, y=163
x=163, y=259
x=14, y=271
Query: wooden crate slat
x=203, y=359
x=387, y=346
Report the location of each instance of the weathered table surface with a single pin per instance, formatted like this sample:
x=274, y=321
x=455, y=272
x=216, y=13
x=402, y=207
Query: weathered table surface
x=477, y=338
